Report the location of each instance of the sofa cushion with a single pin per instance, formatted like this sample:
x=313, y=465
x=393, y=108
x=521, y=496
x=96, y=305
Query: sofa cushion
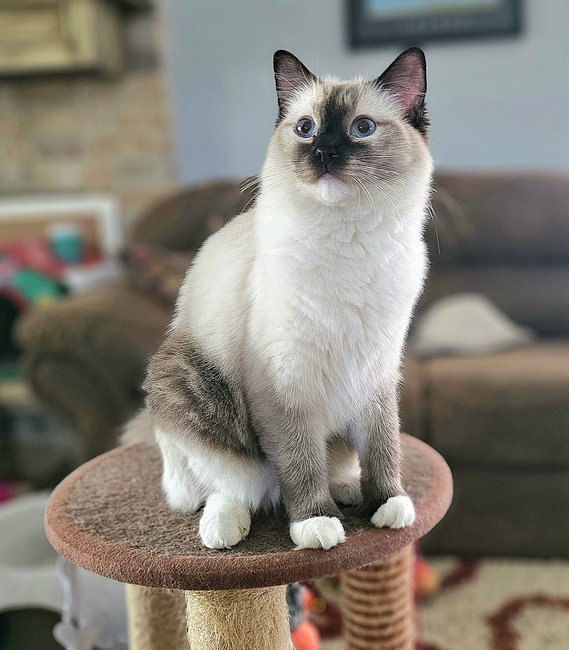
x=465, y=323
x=510, y=408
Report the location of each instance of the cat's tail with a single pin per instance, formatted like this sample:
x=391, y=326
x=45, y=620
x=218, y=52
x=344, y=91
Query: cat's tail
x=139, y=429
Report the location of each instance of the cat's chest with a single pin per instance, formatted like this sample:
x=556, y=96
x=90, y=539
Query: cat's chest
x=353, y=285
x=330, y=312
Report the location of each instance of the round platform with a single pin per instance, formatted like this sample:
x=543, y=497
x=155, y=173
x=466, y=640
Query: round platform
x=110, y=517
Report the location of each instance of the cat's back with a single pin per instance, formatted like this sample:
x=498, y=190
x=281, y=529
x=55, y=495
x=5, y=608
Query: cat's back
x=212, y=304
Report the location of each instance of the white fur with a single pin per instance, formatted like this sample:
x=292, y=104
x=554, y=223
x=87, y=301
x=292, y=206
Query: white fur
x=225, y=521
x=230, y=487
x=396, y=512
x=331, y=190
x=316, y=284
x=317, y=532
x=315, y=316
x=192, y=472
x=181, y=487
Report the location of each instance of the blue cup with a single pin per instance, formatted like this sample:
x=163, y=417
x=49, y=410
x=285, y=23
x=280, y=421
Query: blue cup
x=66, y=243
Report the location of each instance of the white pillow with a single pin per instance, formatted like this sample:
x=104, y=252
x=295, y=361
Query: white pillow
x=466, y=323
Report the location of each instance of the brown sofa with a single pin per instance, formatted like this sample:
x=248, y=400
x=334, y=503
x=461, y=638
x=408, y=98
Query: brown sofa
x=501, y=420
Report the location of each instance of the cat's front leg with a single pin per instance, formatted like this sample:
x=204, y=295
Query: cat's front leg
x=297, y=447
x=378, y=438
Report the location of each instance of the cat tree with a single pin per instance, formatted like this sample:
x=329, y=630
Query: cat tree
x=110, y=517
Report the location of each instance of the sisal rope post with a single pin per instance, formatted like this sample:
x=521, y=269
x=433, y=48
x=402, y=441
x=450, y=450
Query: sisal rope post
x=378, y=604
x=238, y=619
x=156, y=618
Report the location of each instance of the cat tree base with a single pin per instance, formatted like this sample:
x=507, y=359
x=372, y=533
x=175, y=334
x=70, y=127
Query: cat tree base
x=156, y=618
x=256, y=619
x=110, y=517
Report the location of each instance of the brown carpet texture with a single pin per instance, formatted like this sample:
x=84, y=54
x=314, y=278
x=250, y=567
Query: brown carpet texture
x=110, y=517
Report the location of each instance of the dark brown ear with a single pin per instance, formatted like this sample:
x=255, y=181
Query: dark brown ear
x=290, y=75
x=406, y=78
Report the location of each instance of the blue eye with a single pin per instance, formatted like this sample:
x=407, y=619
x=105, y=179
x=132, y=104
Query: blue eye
x=362, y=127
x=305, y=127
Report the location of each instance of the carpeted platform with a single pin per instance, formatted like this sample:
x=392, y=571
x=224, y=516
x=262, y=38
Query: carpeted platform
x=110, y=517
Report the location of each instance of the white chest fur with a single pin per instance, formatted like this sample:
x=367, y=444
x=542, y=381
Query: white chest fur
x=331, y=305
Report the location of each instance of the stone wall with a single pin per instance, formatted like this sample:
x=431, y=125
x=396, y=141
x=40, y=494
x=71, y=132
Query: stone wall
x=81, y=133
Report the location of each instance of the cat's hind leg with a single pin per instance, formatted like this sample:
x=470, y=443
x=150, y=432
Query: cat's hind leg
x=225, y=521
x=344, y=472
x=180, y=485
x=206, y=416
x=237, y=487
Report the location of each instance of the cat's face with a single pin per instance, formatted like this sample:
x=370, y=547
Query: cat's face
x=339, y=142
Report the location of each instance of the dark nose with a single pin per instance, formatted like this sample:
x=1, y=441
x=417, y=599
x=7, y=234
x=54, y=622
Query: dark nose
x=326, y=153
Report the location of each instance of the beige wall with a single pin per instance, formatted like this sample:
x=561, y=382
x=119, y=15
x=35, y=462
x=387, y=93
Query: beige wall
x=90, y=134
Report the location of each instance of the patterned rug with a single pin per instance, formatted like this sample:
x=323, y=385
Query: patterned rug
x=498, y=605
x=494, y=605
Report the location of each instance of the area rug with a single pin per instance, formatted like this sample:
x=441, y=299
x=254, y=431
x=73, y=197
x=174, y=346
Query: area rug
x=498, y=605
x=494, y=605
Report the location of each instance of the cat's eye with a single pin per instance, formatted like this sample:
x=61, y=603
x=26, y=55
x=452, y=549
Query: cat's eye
x=305, y=127
x=362, y=127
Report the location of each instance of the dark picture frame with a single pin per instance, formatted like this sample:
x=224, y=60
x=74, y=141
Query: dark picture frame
x=370, y=25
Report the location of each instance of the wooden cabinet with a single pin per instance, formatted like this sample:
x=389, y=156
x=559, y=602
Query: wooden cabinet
x=44, y=36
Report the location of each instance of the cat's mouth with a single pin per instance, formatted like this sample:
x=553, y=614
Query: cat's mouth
x=331, y=175
x=331, y=187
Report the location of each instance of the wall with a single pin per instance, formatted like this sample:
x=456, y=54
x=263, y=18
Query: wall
x=493, y=103
x=85, y=133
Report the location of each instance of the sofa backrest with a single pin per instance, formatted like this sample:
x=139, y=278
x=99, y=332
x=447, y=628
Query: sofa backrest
x=503, y=235
x=506, y=236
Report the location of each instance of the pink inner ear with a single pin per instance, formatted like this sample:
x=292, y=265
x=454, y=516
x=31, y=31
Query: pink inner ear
x=409, y=87
x=406, y=79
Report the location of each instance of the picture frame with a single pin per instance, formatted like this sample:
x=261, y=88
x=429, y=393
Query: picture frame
x=97, y=216
x=413, y=22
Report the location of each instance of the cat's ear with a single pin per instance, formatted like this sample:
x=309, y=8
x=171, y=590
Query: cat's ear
x=406, y=78
x=290, y=75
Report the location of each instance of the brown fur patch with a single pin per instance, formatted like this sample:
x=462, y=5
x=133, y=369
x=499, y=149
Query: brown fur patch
x=189, y=395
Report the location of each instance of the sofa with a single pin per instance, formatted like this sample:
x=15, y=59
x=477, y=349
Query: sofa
x=500, y=419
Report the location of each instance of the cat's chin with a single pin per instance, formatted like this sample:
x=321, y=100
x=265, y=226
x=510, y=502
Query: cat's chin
x=331, y=189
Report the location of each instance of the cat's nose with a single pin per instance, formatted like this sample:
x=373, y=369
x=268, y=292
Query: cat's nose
x=326, y=153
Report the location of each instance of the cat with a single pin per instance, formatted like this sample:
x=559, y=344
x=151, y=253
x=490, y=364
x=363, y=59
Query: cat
x=277, y=381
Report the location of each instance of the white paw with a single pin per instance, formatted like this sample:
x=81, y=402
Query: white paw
x=396, y=512
x=317, y=532
x=224, y=523
x=348, y=494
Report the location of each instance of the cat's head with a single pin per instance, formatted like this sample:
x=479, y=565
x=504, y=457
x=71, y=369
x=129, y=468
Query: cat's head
x=345, y=141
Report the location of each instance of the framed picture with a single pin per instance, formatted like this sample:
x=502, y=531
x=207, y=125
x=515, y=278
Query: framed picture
x=97, y=218
x=412, y=22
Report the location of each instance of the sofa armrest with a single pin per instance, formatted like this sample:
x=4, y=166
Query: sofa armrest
x=85, y=356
